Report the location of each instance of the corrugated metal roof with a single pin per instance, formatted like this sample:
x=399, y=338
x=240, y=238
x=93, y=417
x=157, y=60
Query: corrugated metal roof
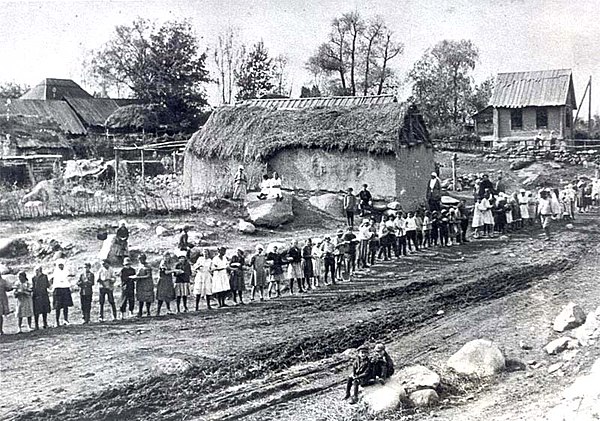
x=59, y=111
x=93, y=111
x=533, y=89
x=334, y=101
x=55, y=89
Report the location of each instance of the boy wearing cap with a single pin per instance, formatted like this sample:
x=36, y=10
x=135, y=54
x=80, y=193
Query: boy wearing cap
x=366, y=200
x=362, y=374
x=85, y=284
x=350, y=206
x=328, y=249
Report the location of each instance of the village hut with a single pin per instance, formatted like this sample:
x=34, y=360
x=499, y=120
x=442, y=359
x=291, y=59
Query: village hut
x=526, y=106
x=134, y=117
x=315, y=144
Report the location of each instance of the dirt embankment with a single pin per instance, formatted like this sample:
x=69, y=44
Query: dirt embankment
x=394, y=299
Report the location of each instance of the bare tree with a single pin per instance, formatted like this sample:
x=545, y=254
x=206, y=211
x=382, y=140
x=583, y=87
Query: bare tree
x=389, y=49
x=227, y=55
x=280, y=64
x=372, y=36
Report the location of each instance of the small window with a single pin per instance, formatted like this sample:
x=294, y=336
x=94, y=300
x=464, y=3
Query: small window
x=516, y=119
x=541, y=118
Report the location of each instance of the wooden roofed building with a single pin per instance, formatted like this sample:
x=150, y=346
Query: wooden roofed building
x=315, y=144
x=529, y=105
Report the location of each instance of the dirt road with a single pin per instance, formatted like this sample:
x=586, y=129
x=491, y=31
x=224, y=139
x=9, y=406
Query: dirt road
x=255, y=359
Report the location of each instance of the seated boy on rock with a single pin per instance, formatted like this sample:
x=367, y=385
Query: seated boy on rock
x=382, y=364
x=362, y=373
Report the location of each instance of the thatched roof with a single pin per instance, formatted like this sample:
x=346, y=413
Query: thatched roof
x=251, y=133
x=135, y=116
x=33, y=132
x=59, y=111
x=93, y=111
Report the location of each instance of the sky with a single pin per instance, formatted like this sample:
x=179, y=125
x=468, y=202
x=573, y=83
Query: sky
x=51, y=38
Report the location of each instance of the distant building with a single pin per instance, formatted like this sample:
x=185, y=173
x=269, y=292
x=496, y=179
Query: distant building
x=528, y=105
x=65, y=102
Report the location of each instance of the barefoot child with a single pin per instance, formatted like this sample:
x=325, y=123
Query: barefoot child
x=203, y=279
x=259, y=274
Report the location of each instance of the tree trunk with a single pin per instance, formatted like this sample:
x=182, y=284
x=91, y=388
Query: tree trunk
x=353, y=62
x=384, y=66
x=368, y=57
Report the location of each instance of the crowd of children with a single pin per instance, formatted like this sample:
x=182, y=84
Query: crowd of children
x=201, y=276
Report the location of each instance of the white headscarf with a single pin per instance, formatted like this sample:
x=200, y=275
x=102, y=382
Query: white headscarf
x=61, y=276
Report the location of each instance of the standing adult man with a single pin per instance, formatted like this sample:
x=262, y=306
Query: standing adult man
x=434, y=193
x=86, y=283
x=500, y=186
x=366, y=200
x=241, y=185
x=350, y=207
x=485, y=184
x=106, y=279
x=546, y=211
x=328, y=249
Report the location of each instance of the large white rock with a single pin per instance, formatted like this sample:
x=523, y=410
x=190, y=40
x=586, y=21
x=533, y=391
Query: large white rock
x=418, y=377
x=246, y=227
x=331, y=203
x=570, y=317
x=424, y=398
x=479, y=357
x=394, y=206
x=384, y=398
x=4, y=269
x=271, y=213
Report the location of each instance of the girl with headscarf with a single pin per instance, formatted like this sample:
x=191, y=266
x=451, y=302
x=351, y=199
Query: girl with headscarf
x=23, y=292
x=62, y=291
x=203, y=279
x=144, y=286
x=165, y=291
x=41, y=300
x=259, y=273
x=218, y=269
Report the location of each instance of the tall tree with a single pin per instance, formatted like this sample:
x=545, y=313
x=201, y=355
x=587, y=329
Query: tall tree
x=280, y=75
x=254, y=76
x=227, y=54
x=442, y=82
x=356, y=56
x=159, y=64
x=481, y=95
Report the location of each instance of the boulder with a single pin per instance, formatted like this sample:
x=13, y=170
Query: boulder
x=479, y=357
x=33, y=204
x=246, y=227
x=43, y=191
x=570, y=317
x=424, y=398
x=417, y=377
x=384, y=398
x=520, y=164
x=271, y=213
x=331, y=203
x=142, y=226
x=449, y=201
x=394, y=206
x=557, y=345
x=588, y=331
x=161, y=231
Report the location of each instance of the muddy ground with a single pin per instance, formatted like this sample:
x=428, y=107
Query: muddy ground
x=283, y=359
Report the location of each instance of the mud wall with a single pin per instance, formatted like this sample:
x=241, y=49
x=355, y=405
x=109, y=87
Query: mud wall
x=403, y=177
x=201, y=176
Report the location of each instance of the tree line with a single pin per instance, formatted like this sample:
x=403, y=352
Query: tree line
x=167, y=65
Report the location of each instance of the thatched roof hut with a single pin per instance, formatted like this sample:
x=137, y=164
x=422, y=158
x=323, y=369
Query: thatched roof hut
x=249, y=133
x=315, y=144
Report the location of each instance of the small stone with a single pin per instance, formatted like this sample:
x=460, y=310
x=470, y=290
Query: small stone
x=558, y=345
x=418, y=377
x=554, y=367
x=440, y=312
x=525, y=346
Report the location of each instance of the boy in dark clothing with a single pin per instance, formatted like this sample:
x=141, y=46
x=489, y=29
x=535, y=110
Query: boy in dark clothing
x=362, y=374
x=383, y=366
x=86, y=283
x=435, y=228
x=128, y=287
x=444, y=228
x=366, y=200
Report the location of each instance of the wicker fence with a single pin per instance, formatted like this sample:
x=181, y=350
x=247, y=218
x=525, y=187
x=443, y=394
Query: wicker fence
x=12, y=208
